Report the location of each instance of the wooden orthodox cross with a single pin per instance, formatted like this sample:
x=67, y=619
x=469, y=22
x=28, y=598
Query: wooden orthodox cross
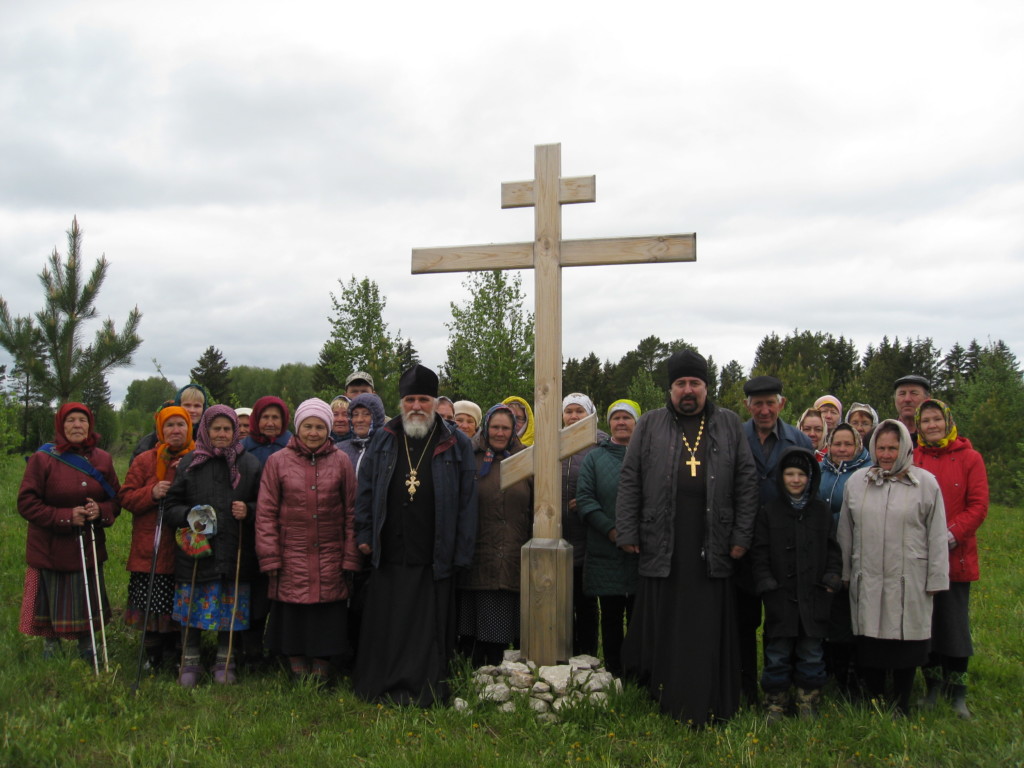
x=546, y=597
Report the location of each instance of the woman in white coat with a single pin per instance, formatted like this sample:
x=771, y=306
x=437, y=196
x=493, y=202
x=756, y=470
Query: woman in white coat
x=895, y=558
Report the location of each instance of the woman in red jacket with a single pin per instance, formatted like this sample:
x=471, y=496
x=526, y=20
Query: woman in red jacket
x=143, y=493
x=305, y=541
x=960, y=471
x=69, y=484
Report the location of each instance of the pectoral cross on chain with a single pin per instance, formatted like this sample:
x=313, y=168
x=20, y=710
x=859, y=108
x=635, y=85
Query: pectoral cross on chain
x=412, y=483
x=692, y=463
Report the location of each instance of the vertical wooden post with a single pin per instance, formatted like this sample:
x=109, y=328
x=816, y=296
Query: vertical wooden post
x=546, y=581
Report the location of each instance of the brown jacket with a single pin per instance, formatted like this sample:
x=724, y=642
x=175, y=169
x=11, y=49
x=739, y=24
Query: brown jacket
x=505, y=523
x=136, y=495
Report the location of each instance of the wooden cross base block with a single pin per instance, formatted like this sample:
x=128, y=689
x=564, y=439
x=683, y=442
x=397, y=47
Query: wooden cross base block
x=546, y=601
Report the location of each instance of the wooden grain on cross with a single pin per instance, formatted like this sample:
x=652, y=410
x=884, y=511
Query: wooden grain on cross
x=546, y=599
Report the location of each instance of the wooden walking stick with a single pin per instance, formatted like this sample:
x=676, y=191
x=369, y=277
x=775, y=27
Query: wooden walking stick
x=88, y=600
x=234, y=602
x=188, y=614
x=157, y=536
x=99, y=599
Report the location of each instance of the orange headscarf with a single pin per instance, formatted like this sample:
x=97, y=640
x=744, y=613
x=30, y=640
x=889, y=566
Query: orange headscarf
x=164, y=455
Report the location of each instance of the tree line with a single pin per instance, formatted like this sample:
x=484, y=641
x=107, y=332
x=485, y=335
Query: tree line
x=489, y=357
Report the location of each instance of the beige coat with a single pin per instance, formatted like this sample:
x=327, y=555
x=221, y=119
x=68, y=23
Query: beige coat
x=893, y=538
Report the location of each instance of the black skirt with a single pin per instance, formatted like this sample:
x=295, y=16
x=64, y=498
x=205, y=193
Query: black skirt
x=951, y=621
x=875, y=653
x=407, y=637
x=317, y=630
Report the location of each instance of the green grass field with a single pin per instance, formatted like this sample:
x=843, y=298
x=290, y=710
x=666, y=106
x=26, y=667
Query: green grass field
x=56, y=713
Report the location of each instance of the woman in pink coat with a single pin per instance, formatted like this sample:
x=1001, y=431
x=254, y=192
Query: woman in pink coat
x=305, y=541
x=963, y=481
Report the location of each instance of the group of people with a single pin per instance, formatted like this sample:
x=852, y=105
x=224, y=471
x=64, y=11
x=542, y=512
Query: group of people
x=386, y=545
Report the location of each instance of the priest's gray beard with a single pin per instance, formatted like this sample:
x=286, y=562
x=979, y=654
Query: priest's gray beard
x=417, y=424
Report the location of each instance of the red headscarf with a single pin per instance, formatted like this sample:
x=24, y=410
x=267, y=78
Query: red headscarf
x=164, y=455
x=257, y=410
x=63, y=445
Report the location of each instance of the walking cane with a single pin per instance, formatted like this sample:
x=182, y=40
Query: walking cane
x=149, y=594
x=88, y=600
x=188, y=614
x=99, y=599
x=234, y=602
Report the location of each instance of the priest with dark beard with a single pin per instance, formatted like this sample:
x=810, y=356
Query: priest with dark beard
x=416, y=519
x=686, y=506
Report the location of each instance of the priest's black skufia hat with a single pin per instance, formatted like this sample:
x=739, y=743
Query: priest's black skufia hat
x=418, y=380
x=687, y=362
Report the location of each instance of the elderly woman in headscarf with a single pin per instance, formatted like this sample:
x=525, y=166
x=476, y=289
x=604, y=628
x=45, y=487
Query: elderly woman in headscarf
x=489, y=590
x=213, y=571
x=609, y=573
x=845, y=454
x=194, y=399
x=143, y=494
x=575, y=407
x=366, y=415
x=305, y=541
x=963, y=480
x=863, y=418
x=341, y=428
x=524, y=418
x=831, y=411
x=268, y=432
x=812, y=423
x=892, y=530
x=468, y=417
x=68, y=494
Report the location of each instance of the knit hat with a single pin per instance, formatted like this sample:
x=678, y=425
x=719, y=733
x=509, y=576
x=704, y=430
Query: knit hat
x=470, y=409
x=687, y=363
x=627, y=406
x=578, y=398
x=800, y=459
x=316, y=408
x=418, y=380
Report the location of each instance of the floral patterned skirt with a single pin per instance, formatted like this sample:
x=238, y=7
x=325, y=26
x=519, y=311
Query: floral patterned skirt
x=211, y=605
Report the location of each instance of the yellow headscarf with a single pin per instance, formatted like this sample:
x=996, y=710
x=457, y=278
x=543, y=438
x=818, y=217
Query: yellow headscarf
x=527, y=437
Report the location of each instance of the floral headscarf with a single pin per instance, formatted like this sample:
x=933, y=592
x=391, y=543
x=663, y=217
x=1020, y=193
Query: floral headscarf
x=205, y=450
x=946, y=414
x=63, y=445
x=482, y=443
x=164, y=455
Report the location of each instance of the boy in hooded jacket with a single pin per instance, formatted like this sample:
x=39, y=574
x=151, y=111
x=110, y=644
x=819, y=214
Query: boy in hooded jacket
x=797, y=567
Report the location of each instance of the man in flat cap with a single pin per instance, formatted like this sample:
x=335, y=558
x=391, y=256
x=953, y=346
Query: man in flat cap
x=907, y=393
x=416, y=520
x=769, y=437
x=686, y=506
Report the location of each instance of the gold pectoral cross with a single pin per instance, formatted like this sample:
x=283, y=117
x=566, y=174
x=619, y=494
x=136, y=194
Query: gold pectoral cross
x=412, y=483
x=692, y=463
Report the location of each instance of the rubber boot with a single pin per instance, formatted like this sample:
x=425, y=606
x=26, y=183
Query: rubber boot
x=775, y=705
x=933, y=687
x=958, y=700
x=807, y=703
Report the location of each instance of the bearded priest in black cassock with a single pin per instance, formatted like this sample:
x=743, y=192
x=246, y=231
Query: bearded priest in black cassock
x=416, y=519
x=686, y=506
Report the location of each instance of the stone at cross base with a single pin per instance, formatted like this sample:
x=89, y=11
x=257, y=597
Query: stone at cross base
x=546, y=581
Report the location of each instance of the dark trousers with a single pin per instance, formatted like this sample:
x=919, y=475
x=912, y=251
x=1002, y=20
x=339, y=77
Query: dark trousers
x=616, y=611
x=584, y=610
x=748, y=619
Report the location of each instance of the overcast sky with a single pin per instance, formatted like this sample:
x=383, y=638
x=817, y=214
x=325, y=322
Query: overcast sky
x=856, y=169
